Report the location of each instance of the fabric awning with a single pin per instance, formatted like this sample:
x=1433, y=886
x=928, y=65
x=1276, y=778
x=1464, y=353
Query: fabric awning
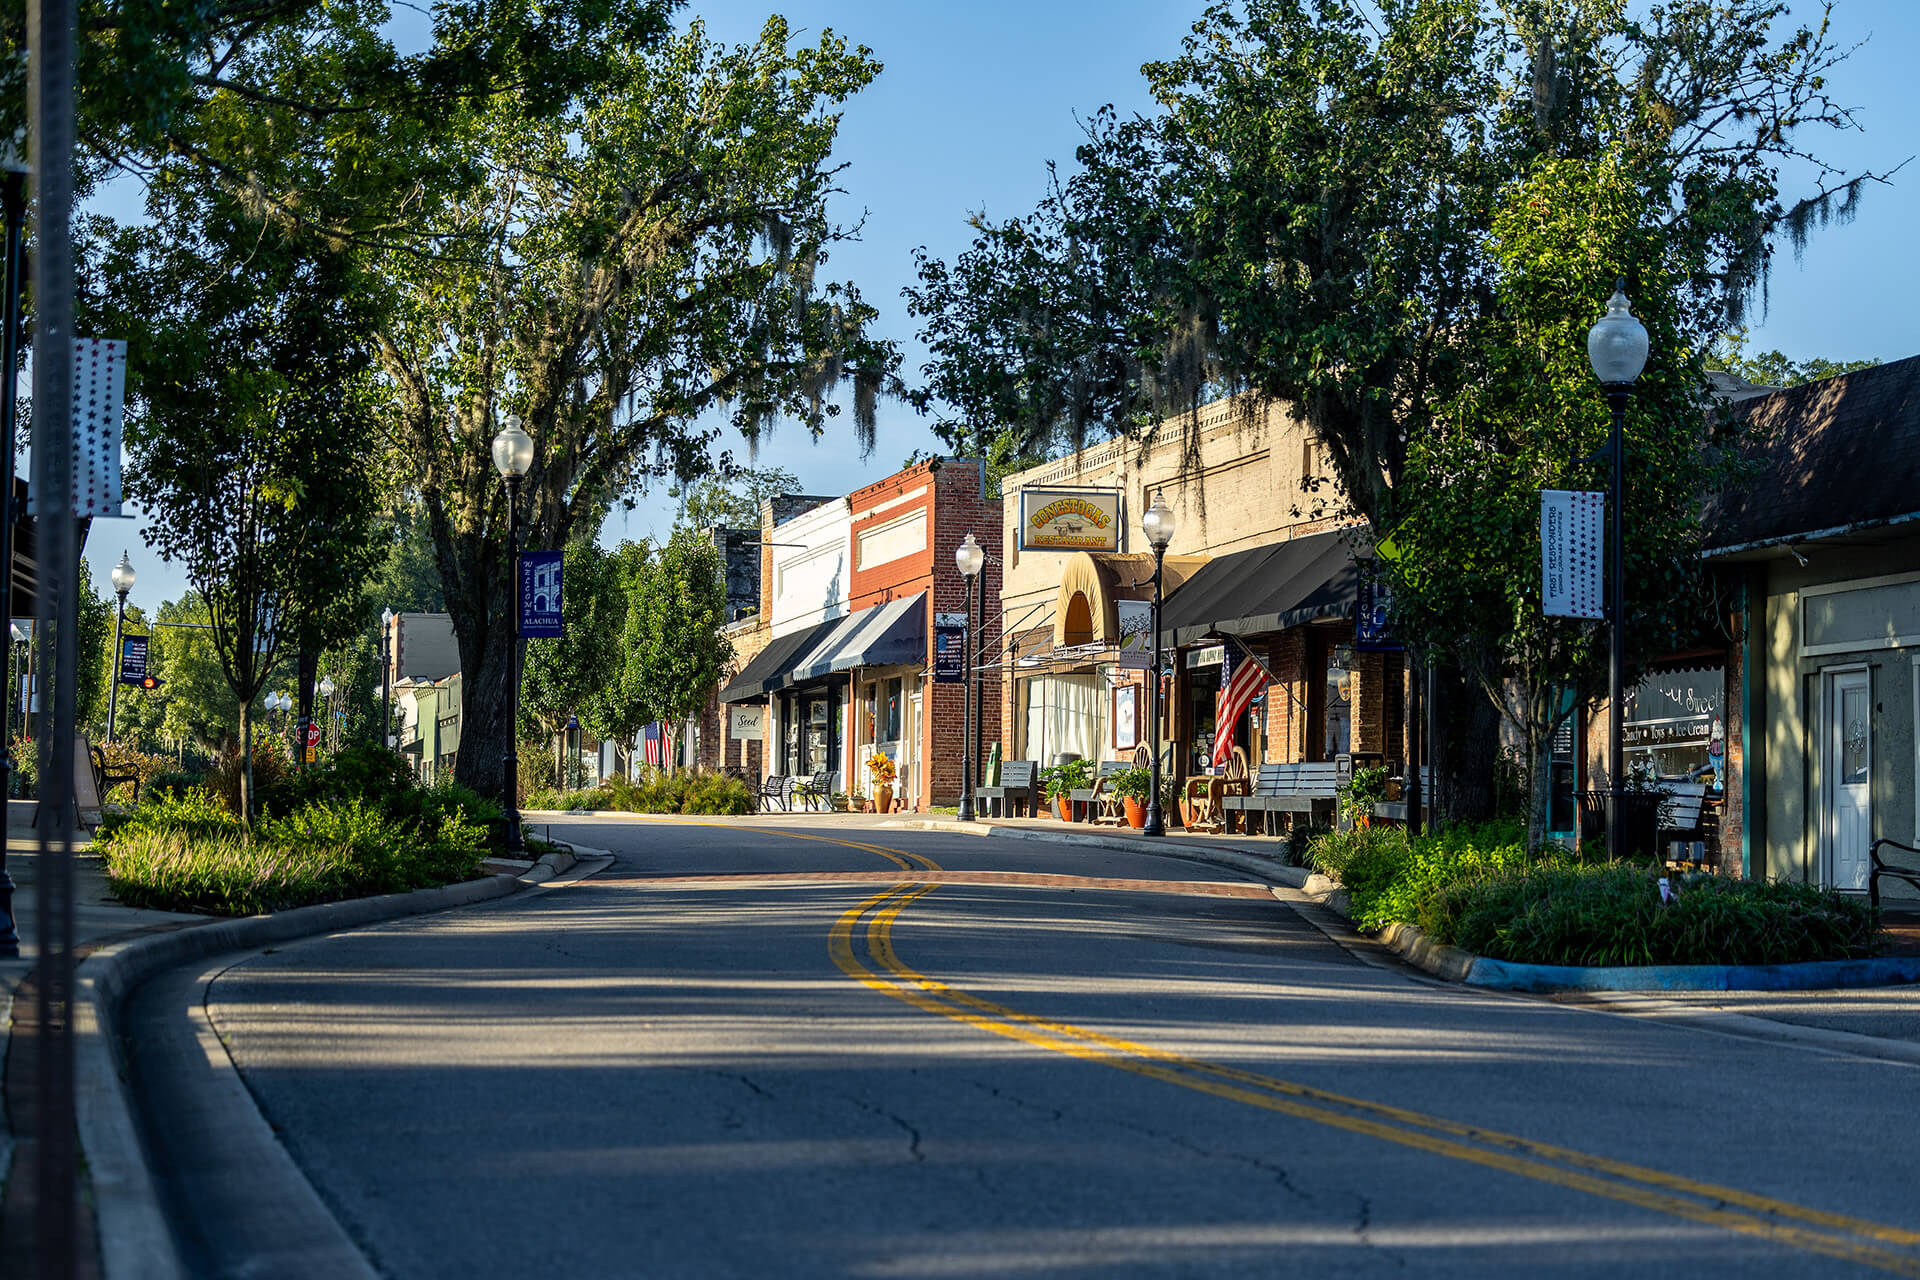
x=772, y=667
x=891, y=634
x=1265, y=589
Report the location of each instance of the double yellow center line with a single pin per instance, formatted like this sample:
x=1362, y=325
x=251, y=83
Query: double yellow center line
x=1834, y=1235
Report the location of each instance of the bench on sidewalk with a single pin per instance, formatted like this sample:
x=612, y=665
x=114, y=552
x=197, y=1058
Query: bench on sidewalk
x=1019, y=786
x=1298, y=787
x=776, y=789
x=1396, y=810
x=1097, y=798
x=1881, y=867
x=816, y=792
x=104, y=781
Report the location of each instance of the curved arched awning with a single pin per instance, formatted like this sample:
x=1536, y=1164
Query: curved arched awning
x=1085, y=611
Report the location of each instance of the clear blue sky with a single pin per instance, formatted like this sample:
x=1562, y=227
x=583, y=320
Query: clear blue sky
x=976, y=97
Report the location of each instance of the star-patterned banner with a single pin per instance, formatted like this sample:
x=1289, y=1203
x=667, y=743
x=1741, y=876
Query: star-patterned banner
x=99, y=383
x=1572, y=526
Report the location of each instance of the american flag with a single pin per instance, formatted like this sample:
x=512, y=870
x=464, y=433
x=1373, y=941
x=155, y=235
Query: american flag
x=654, y=745
x=1241, y=680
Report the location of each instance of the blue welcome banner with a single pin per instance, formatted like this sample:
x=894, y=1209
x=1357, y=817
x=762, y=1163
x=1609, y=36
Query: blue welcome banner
x=540, y=595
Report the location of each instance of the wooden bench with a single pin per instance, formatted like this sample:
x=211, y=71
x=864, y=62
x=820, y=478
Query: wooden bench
x=1019, y=786
x=1300, y=787
x=1096, y=797
x=776, y=789
x=104, y=782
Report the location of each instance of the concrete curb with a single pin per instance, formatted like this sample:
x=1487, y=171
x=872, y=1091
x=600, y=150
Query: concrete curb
x=1456, y=965
x=135, y=1240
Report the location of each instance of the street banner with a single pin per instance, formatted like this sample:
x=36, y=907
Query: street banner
x=133, y=659
x=540, y=594
x=1069, y=519
x=1373, y=606
x=1572, y=529
x=1136, y=635
x=99, y=385
x=949, y=635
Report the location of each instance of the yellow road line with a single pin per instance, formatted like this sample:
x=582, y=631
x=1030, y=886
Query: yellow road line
x=1648, y=1188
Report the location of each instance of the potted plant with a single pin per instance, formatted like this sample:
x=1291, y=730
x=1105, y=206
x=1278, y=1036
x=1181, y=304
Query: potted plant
x=1064, y=778
x=1132, y=785
x=880, y=766
x=1357, y=796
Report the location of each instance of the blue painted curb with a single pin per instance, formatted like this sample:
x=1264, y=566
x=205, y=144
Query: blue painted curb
x=1816, y=975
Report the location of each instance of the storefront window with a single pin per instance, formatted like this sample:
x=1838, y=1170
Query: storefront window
x=1066, y=714
x=1675, y=727
x=895, y=705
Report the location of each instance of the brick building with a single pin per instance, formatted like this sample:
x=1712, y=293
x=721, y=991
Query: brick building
x=1260, y=554
x=851, y=591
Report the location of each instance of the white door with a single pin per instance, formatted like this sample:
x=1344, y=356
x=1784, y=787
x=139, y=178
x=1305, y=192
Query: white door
x=1846, y=765
x=910, y=749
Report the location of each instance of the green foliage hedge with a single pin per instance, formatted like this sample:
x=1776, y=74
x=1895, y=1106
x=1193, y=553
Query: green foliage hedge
x=355, y=826
x=1479, y=889
x=657, y=791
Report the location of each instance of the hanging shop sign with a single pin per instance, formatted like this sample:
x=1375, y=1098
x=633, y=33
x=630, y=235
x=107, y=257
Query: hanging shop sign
x=1572, y=526
x=540, y=594
x=949, y=639
x=746, y=722
x=1075, y=519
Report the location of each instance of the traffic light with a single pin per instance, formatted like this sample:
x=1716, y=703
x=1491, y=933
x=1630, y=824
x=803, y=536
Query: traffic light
x=151, y=682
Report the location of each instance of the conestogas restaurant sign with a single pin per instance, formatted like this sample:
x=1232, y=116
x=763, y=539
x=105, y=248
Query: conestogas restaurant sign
x=1069, y=519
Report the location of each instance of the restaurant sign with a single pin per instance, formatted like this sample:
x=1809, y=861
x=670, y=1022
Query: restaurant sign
x=1069, y=519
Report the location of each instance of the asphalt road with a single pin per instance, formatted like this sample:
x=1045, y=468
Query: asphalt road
x=749, y=1052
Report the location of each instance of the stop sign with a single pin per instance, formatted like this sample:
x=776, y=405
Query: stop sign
x=313, y=734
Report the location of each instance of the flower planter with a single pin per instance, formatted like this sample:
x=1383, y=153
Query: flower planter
x=1063, y=808
x=883, y=799
x=1135, y=811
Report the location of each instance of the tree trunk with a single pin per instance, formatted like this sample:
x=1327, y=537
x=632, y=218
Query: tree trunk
x=486, y=675
x=246, y=764
x=1465, y=747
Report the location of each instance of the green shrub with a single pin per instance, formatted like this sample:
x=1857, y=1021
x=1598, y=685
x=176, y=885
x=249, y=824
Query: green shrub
x=1613, y=915
x=1479, y=889
x=270, y=770
x=171, y=783
x=657, y=791
x=192, y=855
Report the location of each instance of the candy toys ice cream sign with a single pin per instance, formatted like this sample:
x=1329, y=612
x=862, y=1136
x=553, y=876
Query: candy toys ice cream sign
x=1069, y=520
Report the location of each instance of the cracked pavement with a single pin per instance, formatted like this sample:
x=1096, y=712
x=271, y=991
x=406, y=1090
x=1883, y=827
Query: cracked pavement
x=637, y=1076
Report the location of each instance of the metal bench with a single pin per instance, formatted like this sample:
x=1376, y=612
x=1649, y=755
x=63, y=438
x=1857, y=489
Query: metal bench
x=1019, y=786
x=103, y=781
x=1883, y=868
x=776, y=789
x=816, y=791
x=1300, y=787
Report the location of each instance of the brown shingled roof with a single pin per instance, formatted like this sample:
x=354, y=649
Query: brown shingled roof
x=1846, y=450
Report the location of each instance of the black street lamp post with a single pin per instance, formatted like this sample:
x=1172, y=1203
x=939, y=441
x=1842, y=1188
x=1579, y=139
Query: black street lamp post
x=969, y=556
x=512, y=457
x=122, y=583
x=1158, y=525
x=1617, y=350
x=13, y=193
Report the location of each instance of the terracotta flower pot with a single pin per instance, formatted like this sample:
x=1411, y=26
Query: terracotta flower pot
x=1135, y=811
x=883, y=799
x=1063, y=808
